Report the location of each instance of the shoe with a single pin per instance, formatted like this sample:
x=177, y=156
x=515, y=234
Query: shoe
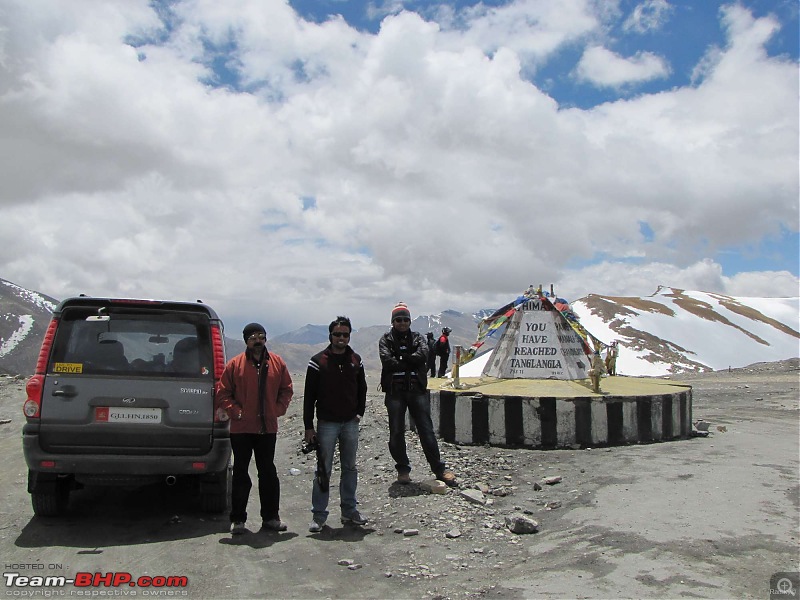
x=354, y=519
x=274, y=525
x=316, y=526
x=238, y=528
x=448, y=478
x=404, y=478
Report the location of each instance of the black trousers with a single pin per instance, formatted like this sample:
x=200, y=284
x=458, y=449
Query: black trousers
x=262, y=446
x=443, y=360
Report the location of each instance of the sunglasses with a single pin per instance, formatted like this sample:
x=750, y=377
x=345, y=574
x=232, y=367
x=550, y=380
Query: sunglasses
x=340, y=334
x=257, y=336
x=402, y=320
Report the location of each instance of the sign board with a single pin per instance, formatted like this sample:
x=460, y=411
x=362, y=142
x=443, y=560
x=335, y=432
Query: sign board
x=539, y=343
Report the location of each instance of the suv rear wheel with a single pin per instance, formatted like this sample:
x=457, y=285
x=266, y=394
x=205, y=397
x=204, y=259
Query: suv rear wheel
x=215, y=490
x=52, y=501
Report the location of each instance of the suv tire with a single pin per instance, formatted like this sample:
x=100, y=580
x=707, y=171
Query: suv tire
x=51, y=503
x=215, y=491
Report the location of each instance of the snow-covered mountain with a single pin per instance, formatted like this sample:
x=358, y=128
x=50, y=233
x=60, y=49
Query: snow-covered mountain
x=677, y=330
x=24, y=316
x=672, y=331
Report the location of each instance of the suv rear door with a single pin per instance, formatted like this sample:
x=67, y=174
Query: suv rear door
x=129, y=379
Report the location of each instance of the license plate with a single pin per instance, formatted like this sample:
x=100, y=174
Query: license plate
x=121, y=414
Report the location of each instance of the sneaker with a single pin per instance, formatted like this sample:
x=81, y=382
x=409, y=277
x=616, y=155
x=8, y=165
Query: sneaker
x=274, y=525
x=354, y=519
x=316, y=526
x=448, y=478
x=237, y=528
x=404, y=478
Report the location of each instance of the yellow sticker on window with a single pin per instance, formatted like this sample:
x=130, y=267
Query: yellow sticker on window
x=67, y=368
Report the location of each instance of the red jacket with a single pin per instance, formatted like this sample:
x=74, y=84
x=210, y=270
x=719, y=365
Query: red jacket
x=238, y=389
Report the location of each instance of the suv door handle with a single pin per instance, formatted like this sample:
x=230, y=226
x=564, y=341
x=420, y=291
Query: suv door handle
x=67, y=391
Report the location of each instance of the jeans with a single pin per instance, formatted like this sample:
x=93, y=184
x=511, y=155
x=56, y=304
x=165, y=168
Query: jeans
x=419, y=405
x=244, y=446
x=328, y=432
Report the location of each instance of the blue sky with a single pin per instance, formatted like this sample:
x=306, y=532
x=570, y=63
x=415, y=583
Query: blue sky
x=289, y=161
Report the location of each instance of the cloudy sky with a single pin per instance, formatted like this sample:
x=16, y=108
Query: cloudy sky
x=290, y=161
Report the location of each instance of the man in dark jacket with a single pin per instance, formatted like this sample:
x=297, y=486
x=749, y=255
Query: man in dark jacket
x=431, y=354
x=254, y=390
x=404, y=361
x=443, y=350
x=336, y=387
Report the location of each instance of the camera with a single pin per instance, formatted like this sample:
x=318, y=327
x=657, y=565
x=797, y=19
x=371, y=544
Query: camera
x=309, y=446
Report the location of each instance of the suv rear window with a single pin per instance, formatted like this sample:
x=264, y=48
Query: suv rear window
x=119, y=342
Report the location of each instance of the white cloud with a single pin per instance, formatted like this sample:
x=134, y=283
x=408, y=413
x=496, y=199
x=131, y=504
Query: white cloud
x=647, y=16
x=604, y=68
x=440, y=175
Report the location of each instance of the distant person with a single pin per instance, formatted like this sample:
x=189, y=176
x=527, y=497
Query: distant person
x=443, y=350
x=336, y=389
x=404, y=360
x=611, y=359
x=431, y=354
x=254, y=390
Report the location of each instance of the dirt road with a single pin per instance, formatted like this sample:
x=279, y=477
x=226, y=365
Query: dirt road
x=709, y=517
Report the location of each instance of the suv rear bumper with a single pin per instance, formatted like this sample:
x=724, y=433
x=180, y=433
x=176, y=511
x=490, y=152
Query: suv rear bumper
x=215, y=461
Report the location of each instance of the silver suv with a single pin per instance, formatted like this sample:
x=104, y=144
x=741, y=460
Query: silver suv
x=123, y=394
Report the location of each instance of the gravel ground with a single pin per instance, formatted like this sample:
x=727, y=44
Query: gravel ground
x=708, y=517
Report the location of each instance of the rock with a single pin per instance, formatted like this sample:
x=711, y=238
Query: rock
x=346, y=562
x=702, y=425
x=552, y=480
x=453, y=533
x=537, y=487
x=354, y=566
x=410, y=532
x=474, y=496
x=521, y=524
x=294, y=471
x=434, y=486
x=552, y=505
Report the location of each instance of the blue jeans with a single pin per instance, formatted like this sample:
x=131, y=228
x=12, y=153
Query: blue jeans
x=328, y=432
x=419, y=405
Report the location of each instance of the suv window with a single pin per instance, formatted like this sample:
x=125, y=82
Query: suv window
x=148, y=345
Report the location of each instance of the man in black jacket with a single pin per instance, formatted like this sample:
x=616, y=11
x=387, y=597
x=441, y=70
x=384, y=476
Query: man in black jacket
x=336, y=387
x=404, y=361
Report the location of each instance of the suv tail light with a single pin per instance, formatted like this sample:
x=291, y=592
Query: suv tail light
x=35, y=385
x=219, y=352
x=218, y=348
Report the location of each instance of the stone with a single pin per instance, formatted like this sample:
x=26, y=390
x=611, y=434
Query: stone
x=474, y=496
x=346, y=562
x=410, y=532
x=521, y=524
x=434, y=486
x=453, y=533
x=552, y=480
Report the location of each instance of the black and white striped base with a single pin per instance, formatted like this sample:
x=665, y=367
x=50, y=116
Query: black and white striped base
x=550, y=422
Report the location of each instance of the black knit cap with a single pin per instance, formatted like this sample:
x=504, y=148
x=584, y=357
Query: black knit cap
x=252, y=328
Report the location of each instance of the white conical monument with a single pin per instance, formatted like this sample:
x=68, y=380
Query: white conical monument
x=539, y=343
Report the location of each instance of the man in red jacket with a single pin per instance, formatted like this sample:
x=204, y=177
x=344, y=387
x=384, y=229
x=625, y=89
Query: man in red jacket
x=254, y=390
